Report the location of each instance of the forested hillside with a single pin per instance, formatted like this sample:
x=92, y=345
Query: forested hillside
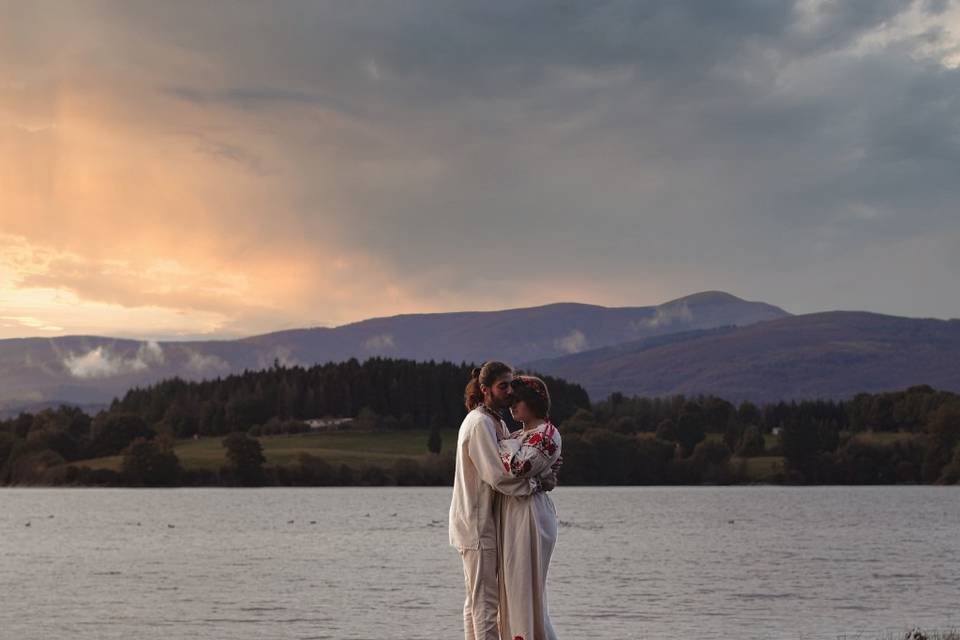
x=253, y=429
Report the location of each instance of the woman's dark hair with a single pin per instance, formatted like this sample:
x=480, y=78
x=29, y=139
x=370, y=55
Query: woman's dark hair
x=533, y=391
x=485, y=375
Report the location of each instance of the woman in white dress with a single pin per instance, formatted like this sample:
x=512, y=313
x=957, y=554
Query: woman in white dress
x=528, y=524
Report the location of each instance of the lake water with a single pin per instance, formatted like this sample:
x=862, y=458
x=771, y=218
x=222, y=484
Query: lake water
x=359, y=563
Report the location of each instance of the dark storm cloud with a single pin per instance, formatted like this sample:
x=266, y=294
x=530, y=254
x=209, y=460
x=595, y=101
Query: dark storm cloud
x=260, y=97
x=624, y=136
x=636, y=147
x=459, y=50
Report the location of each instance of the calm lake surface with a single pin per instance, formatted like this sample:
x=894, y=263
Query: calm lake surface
x=373, y=563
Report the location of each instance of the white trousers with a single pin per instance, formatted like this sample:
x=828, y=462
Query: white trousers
x=483, y=594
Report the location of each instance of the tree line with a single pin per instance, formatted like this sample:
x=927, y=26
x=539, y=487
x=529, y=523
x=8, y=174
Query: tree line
x=910, y=436
x=143, y=424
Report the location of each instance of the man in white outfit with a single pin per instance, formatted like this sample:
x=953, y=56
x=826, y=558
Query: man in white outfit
x=480, y=474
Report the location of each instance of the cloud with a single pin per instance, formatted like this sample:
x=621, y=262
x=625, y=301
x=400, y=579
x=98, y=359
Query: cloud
x=380, y=342
x=205, y=364
x=19, y=322
x=666, y=315
x=641, y=151
x=150, y=353
x=573, y=342
x=232, y=153
x=101, y=362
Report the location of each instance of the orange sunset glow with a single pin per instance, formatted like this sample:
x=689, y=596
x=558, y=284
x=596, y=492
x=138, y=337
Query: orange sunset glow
x=191, y=172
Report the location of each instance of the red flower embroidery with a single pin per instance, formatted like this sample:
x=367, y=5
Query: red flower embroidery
x=517, y=637
x=543, y=441
x=519, y=468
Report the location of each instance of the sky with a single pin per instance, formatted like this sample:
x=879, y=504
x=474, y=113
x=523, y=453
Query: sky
x=182, y=170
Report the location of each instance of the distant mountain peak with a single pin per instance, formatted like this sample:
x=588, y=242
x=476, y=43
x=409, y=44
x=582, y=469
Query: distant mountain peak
x=706, y=298
x=833, y=354
x=87, y=369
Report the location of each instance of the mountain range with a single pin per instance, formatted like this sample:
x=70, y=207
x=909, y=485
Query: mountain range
x=819, y=355
x=710, y=342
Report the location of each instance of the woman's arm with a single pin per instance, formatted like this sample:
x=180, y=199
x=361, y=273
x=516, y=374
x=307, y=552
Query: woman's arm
x=483, y=451
x=537, y=453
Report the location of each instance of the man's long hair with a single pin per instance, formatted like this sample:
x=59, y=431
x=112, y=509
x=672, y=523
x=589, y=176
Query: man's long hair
x=485, y=375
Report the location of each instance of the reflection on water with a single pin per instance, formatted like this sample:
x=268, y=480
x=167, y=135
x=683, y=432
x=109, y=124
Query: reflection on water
x=352, y=563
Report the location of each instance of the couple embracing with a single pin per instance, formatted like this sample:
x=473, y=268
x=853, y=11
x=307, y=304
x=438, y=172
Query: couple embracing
x=502, y=521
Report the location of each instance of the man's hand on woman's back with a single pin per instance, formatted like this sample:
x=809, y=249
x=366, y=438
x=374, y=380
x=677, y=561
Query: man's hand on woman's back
x=548, y=481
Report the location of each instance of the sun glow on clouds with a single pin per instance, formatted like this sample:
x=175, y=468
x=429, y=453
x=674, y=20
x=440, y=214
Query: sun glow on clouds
x=137, y=200
x=42, y=289
x=171, y=170
x=19, y=322
x=933, y=37
x=110, y=224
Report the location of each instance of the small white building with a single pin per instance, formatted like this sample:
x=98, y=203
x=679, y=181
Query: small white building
x=328, y=424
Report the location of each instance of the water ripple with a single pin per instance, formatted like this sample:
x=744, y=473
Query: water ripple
x=812, y=562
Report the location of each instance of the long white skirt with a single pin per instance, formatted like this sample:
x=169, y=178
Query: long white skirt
x=528, y=534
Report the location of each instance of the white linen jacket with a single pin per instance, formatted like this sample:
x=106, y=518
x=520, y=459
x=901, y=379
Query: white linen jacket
x=480, y=474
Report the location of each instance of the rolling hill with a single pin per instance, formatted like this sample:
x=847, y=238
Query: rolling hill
x=822, y=355
x=90, y=369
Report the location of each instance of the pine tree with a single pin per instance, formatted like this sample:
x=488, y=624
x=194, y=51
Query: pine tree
x=435, y=442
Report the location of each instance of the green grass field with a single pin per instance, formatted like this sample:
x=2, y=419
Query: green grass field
x=362, y=448
x=769, y=440
x=355, y=448
x=762, y=468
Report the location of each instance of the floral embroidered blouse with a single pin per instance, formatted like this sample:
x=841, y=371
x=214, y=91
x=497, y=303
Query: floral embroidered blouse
x=528, y=454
